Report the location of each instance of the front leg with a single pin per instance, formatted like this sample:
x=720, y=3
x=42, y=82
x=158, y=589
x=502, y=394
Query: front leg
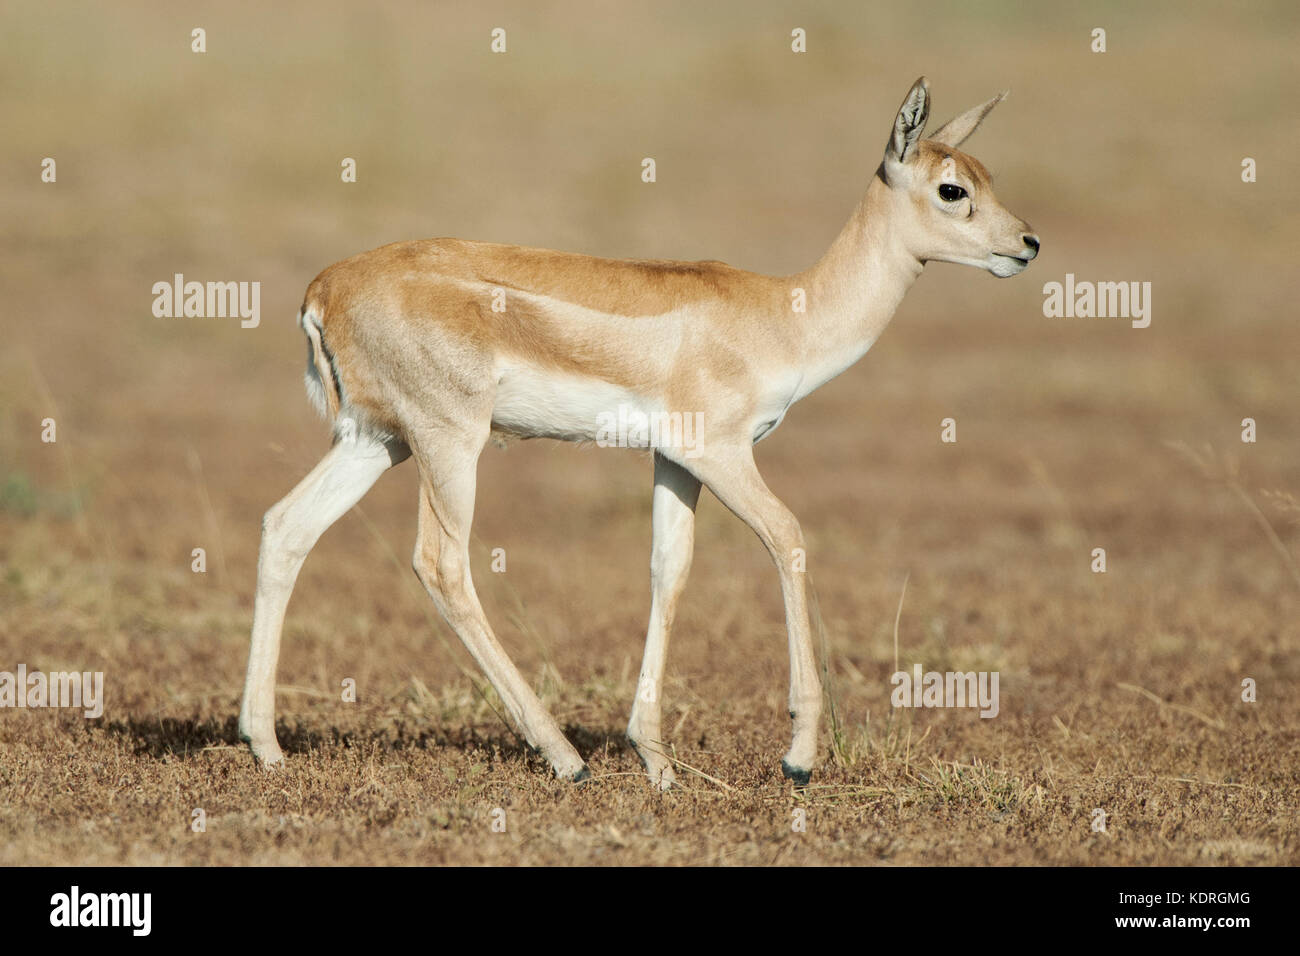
x=676, y=493
x=734, y=478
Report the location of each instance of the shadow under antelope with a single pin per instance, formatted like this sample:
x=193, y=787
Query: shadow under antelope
x=408, y=358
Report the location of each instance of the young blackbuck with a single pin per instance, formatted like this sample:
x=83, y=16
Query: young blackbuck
x=427, y=349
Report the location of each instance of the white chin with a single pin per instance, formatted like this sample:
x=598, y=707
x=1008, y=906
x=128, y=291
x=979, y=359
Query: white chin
x=1004, y=266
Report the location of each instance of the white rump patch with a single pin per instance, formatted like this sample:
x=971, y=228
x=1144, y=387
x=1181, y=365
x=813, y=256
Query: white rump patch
x=310, y=323
x=315, y=388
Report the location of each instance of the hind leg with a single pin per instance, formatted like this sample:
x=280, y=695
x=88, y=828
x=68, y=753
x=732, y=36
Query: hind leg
x=448, y=458
x=289, y=531
x=676, y=493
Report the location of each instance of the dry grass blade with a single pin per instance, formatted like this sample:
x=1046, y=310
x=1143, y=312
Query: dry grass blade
x=1208, y=783
x=838, y=744
x=700, y=773
x=1209, y=721
x=1284, y=502
x=1224, y=470
x=898, y=616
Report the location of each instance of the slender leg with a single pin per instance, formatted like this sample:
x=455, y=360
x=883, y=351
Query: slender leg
x=734, y=478
x=289, y=531
x=676, y=493
x=441, y=562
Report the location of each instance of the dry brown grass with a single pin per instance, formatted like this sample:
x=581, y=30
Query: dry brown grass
x=1119, y=691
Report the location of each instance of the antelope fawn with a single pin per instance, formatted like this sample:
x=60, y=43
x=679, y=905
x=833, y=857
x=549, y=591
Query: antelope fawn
x=409, y=358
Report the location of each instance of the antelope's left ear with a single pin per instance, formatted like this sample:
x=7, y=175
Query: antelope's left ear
x=955, y=131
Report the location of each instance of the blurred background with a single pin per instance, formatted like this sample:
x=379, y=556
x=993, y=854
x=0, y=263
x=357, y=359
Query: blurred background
x=174, y=434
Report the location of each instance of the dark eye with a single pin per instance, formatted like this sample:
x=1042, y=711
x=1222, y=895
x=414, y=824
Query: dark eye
x=950, y=193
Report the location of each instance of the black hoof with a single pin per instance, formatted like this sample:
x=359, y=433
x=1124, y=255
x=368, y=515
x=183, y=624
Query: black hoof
x=581, y=775
x=800, y=777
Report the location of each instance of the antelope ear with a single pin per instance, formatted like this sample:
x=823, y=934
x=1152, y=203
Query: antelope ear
x=955, y=131
x=909, y=123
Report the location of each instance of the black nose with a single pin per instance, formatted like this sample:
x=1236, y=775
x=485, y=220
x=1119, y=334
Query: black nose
x=1031, y=241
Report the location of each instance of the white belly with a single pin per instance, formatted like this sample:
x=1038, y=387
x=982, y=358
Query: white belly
x=536, y=403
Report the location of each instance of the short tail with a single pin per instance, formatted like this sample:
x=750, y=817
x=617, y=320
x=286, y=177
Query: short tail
x=323, y=385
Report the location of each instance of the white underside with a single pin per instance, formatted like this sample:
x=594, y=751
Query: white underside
x=535, y=403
